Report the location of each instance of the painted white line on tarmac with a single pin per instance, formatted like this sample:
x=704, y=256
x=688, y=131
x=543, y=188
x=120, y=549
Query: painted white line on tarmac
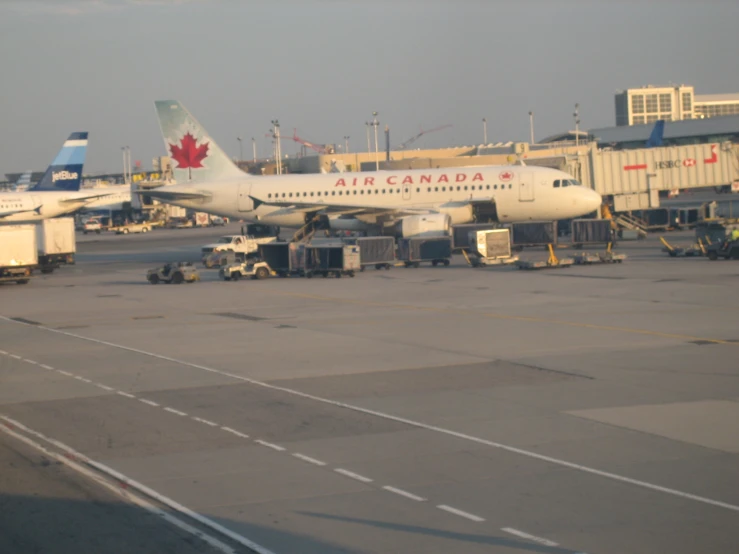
x=407, y=494
x=173, y=411
x=139, y=487
x=235, y=432
x=206, y=421
x=353, y=475
x=104, y=387
x=47, y=367
x=309, y=459
x=3, y=352
x=34, y=362
x=270, y=445
x=460, y=513
x=16, y=356
x=528, y=536
x=125, y=394
x=410, y=422
x=67, y=373
x=149, y=402
x=83, y=379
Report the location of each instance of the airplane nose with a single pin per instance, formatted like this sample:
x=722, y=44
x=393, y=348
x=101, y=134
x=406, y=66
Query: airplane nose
x=593, y=200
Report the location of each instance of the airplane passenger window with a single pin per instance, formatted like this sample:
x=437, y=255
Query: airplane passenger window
x=443, y=189
x=383, y=191
x=355, y=192
x=510, y=186
x=465, y=188
x=418, y=190
x=436, y=189
x=487, y=187
x=311, y=194
x=361, y=192
x=428, y=189
x=269, y=195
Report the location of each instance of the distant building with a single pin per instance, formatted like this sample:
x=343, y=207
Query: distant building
x=636, y=106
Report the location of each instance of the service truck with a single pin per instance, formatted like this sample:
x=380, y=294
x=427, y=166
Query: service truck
x=55, y=242
x=233, y=243
x=18, y=254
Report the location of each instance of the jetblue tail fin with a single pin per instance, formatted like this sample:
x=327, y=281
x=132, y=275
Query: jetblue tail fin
x=655, y=139
x=65, y=172
x=195, y=156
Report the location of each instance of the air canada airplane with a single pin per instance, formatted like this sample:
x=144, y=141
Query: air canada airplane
x=412, y=202
x=57, y=193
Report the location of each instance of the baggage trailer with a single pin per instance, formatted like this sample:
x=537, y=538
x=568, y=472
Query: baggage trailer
x=413, y=251
x=491, y=247
x=591, y=231
x=533, y=233
x=331, y=259
x=55, y=242
x=18, y=254
x=283, y=258
x=376, y=251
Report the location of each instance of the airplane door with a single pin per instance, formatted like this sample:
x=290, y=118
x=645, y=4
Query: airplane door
x=526, y=187
x=244, y=201
x=406, y=192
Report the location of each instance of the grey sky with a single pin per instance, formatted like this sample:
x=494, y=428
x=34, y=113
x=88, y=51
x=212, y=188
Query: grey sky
x=324, y=66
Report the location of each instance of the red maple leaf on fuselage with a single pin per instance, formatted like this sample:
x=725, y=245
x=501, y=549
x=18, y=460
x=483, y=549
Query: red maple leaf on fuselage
x=189, y=154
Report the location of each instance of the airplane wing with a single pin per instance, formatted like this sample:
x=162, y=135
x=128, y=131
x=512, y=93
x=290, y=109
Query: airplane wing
x=169, y=195
x=86, y=198
x=353, y=209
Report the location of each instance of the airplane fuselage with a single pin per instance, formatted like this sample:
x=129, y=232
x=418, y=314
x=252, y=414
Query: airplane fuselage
x=28, y=206
x=519, y=193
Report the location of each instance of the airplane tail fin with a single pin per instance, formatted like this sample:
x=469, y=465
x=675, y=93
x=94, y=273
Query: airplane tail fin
x=23, y=182
x=195, y=156
x=655, y=139
x=65, y=172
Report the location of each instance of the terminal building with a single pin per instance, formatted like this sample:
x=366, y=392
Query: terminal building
x=651, y=103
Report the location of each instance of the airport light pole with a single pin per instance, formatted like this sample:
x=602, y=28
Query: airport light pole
x=241, y=151
x=278, y=150
x=375, y=123
x=531, y=126
x=484, y=131
x=576, y=115
x=346, y=144
x=367, y=125
x=254, y=149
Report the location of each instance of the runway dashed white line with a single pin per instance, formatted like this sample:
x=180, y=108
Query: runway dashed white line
x=406, y=494
x=149, y=402
x=353, y=475
x=235, y=432
x=460, y=513
x=206, y=421
x=276, y=447
x=528, y=536
x=308, y=459
x=270, y=445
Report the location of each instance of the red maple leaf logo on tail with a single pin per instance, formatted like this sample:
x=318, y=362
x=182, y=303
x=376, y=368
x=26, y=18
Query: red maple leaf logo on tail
x=189, y=154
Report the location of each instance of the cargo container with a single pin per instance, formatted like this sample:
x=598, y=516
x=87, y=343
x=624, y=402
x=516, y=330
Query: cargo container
x=462, y=233
x=534, y=233
x=376, y=251
x=331, y=259
x=56, y=243
x=491, y=247
x=591, y=231
x=283, y=258
x=18, y=254
x=413, y=251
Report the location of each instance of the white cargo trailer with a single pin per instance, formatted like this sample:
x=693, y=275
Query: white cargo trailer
x=18, y=255
x=56, y=243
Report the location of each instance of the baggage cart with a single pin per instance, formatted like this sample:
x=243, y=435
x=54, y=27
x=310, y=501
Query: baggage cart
x=591, y=231
x=376, y=251
x=331, y=259
x=413, y=251
x=462, y=237
x=490, y=247
x=533, y=233
x=282, y=257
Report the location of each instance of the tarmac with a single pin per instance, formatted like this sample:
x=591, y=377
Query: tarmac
x=589, y=409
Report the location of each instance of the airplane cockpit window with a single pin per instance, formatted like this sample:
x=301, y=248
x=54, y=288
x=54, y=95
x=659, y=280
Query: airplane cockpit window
x=574, y=183
x=556, y=184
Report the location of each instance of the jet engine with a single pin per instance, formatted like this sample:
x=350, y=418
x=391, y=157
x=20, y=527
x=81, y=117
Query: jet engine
x=344, y=223
x=432, y=225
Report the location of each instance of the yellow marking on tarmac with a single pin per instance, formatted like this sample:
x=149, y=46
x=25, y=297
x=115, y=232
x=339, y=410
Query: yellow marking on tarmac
x=492, y=315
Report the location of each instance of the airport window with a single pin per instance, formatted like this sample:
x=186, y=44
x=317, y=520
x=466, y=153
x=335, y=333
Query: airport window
x=556, y=184
x=652, y=103
x=638, y=120
x=687, y=104
x=665, y=102
x=637, y=104
x=651, y=118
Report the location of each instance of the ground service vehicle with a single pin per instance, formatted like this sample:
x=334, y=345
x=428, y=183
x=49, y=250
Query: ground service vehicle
x=55, y=242
x=728, y=249
x=234, y=243
x=18, y=254
x=253, y=269
x=92, y=226
x=173, y=272
x=141, y=227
